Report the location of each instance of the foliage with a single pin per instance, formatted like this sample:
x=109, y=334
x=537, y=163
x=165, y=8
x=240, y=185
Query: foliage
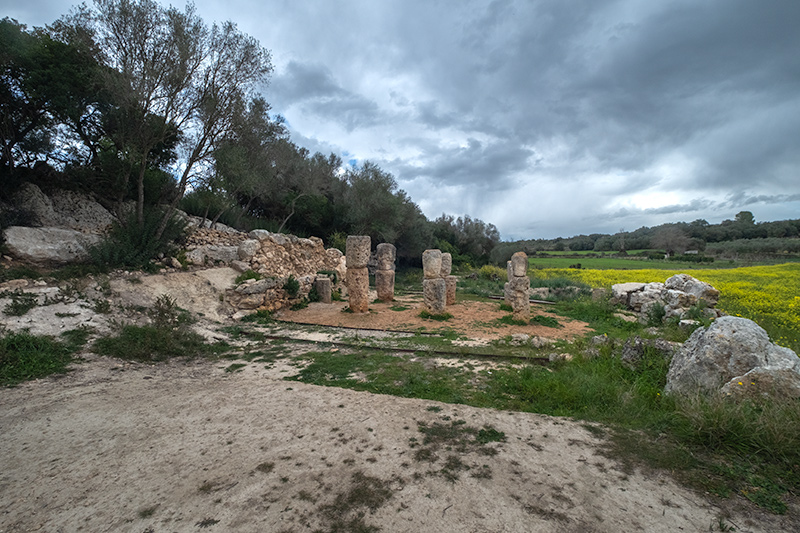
x=21, y=303
x=247, y=274
x=151, y=344
x=441, y=317
x=134, y=244
x=292, y=286
x=765, y=294
x=24, y=356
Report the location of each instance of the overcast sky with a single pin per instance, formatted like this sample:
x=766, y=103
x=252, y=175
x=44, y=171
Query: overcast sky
x=544, y=117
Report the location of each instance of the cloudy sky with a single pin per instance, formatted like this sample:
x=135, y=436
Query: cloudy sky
x=546, y=118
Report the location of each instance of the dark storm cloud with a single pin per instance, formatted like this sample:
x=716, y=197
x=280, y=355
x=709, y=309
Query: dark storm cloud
x=601, y=114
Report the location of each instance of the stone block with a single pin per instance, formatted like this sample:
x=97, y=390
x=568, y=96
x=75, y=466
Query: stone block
x=519, y=264
x=521, y=306
x=447, y=264
x=519, y=284
x=248, y=249
x=384, y=284
x=386, y=254
x=358, y=289
x=450, y=289
x=357, y=251
x=239, y=266
x=324, y=288
x=432, y=263
x=434, y=292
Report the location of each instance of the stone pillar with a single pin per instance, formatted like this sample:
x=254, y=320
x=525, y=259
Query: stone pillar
x=450, y=288
x=384, y=276
x=519, y=285
x=357, y=253
x=324, y=288
x=434, y=287
x=507, y=288
x=447, y=265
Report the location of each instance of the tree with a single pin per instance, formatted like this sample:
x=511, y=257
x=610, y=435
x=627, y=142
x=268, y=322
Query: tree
x=180, y=82
x=745, y=217
x=671, y=239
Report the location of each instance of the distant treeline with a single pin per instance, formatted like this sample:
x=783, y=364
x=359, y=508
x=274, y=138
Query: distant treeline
x=743, y=235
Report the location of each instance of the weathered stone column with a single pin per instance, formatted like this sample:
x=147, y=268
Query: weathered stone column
x=450, y=289
x=384, y=276
x=519, y=285
x=324, y=288
x=357, y=255
x=434, y=287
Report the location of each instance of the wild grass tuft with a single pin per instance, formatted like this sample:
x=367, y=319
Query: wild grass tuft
x=24, y=356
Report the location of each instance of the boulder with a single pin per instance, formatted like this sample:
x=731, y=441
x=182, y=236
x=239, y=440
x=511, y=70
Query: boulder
x=701, y=290
x=248, y=249
x=80, y=212
x=49, y=245
x=729, y=355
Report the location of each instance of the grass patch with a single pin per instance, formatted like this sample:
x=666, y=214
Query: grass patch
x=544, y=320
x=441, y=317
x=24, y=357
x=247, y=274
x=21, y=303
x=348, y=510
x=150, y=344
x=509, y=320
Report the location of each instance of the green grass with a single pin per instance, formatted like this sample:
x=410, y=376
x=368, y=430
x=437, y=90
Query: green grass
x=21, y=303
x=151, y=344
x=441, y=317
x=24, y=357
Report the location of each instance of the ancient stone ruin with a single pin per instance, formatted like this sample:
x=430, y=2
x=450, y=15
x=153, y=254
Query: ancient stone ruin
x=434, y=287
x=449, y=280
x=357, y=253
x=384, y=275
x=676, y=296
x=518, y=286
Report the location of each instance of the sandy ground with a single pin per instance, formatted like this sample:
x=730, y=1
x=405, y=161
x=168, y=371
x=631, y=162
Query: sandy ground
x=184, y=446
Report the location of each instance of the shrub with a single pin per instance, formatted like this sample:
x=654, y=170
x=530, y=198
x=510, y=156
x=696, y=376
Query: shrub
x=493, y=273
x=292, y=286
x=24, y=356
x=134, y=245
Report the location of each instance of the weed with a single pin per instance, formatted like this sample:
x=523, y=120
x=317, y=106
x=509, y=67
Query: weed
x=302, y=304
x=147, y=512
x=101, y=306
x=21, y=303
x=247, y=274
x=235, y=367
x=24, y=356
x=399, y=307
x=506, y=307
x=149, y=344
x=166, y=314
x=265, y=468
x=548, y=321
x=292, y=286
x=509, y=320
x=435, y=316
x=346, y=512
x=207, y=522
x=262, y=316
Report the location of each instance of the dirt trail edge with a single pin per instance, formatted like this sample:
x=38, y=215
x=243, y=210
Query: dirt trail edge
x=114, y=446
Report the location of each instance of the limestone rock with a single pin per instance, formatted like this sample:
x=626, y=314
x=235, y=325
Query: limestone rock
x=432, y=263
x=240, y=266
x=357, y=251
x=450, y=289
x=213, y=253
x=248, y=249
x=519, y=264
x=324, y=288
x=80, y=212
x=49, y=245
x=621, y=291
x=447, y=265
x=386, y=255
x=724, y=354
x=699, y=289
x=384, y=285
x=434, y=293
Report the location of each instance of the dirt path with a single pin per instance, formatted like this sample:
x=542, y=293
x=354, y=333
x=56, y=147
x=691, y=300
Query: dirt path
x=185, y=446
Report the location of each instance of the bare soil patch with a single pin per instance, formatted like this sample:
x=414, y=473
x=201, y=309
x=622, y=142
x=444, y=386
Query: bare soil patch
x=185, y=446
x=473, y=319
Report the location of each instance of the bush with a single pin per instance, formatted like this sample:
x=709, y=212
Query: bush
x=134, y=245
x=493, y=273
x=292, y=286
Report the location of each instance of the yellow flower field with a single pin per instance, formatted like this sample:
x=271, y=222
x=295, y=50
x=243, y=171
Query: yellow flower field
x=769, y=295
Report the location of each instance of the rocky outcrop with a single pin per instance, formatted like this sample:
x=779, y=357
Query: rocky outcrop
x=62, y=209
x=49, y=245
x=676, y=296
x=734, y=356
